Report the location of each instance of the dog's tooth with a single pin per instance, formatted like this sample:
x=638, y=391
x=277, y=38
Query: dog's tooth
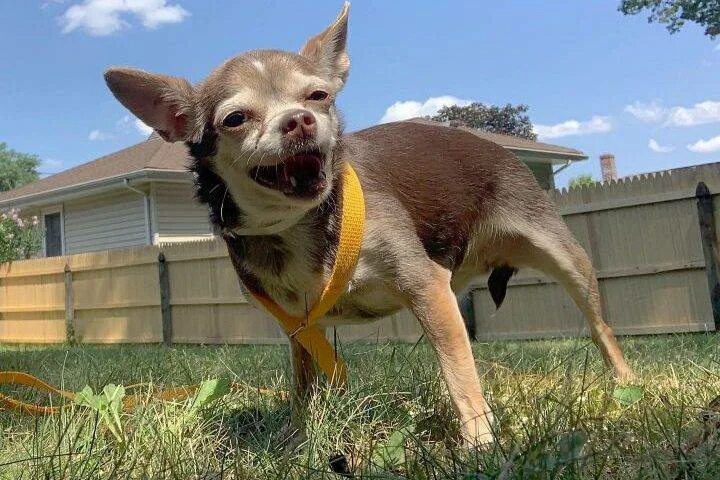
x=293, y=182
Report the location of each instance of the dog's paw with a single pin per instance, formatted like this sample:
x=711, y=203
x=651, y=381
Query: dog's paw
x=478, y=433
x=626, y=376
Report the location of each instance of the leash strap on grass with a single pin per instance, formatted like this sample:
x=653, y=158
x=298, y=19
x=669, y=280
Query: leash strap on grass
x=19, y=378
x=305, y=329
x=130, y=402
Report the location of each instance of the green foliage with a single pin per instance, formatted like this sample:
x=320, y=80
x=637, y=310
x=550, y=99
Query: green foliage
x=392, y=453
x=674, y=13
x=16, y=169
x=19, y=238
x=629, y=394
x=209, y=391
x=507, y=120
x=107, y=404
x=584, y=180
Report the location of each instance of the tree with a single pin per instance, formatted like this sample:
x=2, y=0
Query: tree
x=508, y=120
x=674, y=13
x=19, y=238
x=16, y=168
x=584, y=180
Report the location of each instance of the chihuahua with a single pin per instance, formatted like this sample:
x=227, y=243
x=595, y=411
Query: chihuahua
x=442, y=205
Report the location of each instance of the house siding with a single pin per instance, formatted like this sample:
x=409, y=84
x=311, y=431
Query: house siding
x=104, y=222
x=177, y=215
x=543, y=174
x=542, y=170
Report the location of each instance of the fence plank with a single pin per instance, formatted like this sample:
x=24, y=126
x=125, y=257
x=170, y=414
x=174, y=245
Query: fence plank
x=708, y=234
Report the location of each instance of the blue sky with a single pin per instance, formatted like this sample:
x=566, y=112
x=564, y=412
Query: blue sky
x=593, y=78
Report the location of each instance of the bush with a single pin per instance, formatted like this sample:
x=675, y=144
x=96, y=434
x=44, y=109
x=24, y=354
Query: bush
x=19, y=238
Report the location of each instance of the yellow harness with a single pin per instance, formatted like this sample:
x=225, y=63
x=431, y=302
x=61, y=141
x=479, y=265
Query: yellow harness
x=305, y=329
x=302, y=329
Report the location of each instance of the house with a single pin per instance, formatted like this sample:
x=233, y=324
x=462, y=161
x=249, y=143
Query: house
x=143, y=195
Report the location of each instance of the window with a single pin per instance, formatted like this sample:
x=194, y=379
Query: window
x=53, y=240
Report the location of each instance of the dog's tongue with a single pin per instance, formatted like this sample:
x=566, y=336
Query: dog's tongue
x=302, y=175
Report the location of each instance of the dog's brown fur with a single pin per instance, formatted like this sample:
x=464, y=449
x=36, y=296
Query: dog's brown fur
x=442, y=205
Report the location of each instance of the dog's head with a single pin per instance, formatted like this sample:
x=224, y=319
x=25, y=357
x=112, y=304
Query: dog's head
x=270, y=116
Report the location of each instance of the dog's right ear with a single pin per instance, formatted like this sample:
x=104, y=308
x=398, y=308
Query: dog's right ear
x=328, y=49
x=164, y=103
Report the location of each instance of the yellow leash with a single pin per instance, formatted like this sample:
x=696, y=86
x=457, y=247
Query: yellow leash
x=303, y=329
x=129, y=402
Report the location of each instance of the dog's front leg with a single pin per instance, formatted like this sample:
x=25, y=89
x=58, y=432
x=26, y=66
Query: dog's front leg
x=304, y=376
x=437, y=310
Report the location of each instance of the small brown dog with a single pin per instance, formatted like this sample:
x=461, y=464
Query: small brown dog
x=442, y=205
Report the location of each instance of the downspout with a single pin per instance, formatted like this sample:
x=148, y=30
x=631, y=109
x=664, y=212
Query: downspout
x=567, y=164
x=146, y=203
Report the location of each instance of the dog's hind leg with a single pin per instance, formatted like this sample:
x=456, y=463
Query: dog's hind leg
x=436, y=308
x=553, y=250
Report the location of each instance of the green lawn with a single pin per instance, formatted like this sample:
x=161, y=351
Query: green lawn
x=553, y=400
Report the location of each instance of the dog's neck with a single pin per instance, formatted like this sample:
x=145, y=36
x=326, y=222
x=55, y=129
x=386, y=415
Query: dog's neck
x=290, y=266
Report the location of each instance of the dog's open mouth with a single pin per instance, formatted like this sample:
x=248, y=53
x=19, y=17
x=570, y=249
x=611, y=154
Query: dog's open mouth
x=300, y=175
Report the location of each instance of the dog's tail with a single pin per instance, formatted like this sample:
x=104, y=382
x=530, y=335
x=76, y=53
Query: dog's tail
x=497, y=283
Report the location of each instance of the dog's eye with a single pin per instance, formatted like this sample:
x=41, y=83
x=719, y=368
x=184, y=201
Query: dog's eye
x=235, y=119
x=318, y=95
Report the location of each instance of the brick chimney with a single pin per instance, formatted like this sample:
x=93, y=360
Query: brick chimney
x=607, y=167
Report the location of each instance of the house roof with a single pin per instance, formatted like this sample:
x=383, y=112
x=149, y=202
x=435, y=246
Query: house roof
x=516, y=143
x=155, y=157
x=151, y=155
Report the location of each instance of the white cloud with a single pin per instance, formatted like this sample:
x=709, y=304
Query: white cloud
x=97, y=135
x=597, y=124
x=50, y=165
x=105, y=17
x=131, y=124
x=703, y=112
x=657, y=148
x=652, y=112
x=705, y=146
x=700, y=113
x=142, y=128
x=412, y=108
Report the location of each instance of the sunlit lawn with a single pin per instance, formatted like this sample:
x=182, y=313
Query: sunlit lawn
x=553, y=400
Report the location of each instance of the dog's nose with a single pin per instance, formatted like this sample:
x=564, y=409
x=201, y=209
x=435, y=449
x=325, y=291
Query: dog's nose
x=299, y=124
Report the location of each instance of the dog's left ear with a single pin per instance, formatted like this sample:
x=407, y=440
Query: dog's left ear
x=328, y=49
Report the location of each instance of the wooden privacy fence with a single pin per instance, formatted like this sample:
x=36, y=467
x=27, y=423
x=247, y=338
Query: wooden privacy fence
x=182, y=293
x=650, y=238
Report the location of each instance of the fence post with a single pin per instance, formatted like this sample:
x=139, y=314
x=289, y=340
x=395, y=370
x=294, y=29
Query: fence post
x=708, y=235
x=69, y=306
x=165, y=299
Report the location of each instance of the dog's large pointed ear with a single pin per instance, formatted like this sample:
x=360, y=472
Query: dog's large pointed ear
x=164, y=103
x=328, y=49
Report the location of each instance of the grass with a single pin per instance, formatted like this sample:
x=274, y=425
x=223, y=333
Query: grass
x=553, y=401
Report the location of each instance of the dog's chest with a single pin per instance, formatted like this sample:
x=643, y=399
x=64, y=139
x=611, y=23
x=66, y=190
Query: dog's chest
x=368, y=296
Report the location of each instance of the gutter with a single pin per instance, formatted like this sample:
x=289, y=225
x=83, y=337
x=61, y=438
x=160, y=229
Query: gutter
x=146, y=204
x=95, y=186
x=577, y=156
